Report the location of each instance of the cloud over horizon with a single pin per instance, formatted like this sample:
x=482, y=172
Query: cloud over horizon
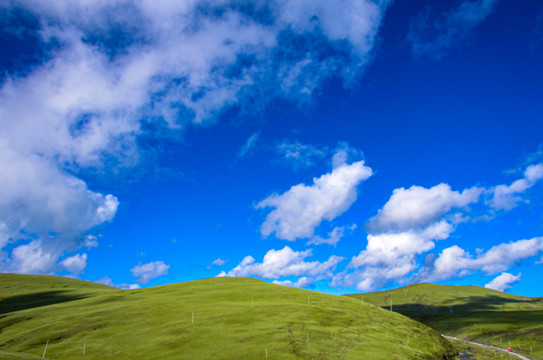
x=149, y=271
x=407, y=226
x=503, y=281
x=286, y=263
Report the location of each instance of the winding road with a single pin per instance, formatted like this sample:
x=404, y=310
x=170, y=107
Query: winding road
x=490, y=347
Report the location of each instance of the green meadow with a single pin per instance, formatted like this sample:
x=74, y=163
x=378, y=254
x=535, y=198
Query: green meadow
x=470, y=312
x=219, y=318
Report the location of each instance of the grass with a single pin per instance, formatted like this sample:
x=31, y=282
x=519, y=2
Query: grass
x=4, y=355
x=469, y=312
x=234, y=318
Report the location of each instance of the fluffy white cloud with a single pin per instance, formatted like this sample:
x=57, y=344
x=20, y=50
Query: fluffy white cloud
x=111, y=66
x=506, y=197
x=39, y=258
x=75, y=264
x=413, y=219
x=302, y=208
x=180, y=63
x=149, y=271
x=32, y=259
x=432, y=35
x=390, y=248
x=407, y=226
x=391, y=256
x=503, y=281
x=455, y=261
x=37, y=198
x=417, y=207
x=284, y=263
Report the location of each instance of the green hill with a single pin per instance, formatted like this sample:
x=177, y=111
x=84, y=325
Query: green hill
x=219, y=318
x=470, y=312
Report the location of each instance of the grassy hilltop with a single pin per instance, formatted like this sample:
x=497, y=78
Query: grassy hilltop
x=470, y=312
x=234, y=318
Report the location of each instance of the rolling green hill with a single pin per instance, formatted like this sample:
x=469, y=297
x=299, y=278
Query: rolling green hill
x=470, y=312
x=219, y=318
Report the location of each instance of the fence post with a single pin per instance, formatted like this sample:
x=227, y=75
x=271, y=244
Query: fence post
x=45, y=350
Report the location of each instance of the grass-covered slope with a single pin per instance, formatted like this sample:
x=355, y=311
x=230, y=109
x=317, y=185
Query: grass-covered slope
x=220, y=318
x=18, y=292
x=470, y=312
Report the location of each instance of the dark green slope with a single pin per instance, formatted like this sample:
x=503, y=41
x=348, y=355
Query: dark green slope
x=219, y=318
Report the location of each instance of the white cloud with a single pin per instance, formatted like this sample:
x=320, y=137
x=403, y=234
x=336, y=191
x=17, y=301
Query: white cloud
x=149, y=271
x=417, y=207
x=456, y=262
x=412, y=221
x=249, y=144
x=217, y=262
x=75, y=264
x=506, y=197
x=392, y=255
x=170, y=63
x=301, y=209
x=333, y=236
x=390, y=248
x=503, y=281
x=432, y=35
x=285, y=263
x=407, y=226
x=32, y=258
x=180, y=63
x=37, y=198
x=300, y=155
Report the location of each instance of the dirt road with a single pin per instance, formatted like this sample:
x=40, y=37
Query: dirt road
x=490, y=347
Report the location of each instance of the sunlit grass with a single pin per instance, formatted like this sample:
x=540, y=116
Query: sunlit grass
x=219, y=318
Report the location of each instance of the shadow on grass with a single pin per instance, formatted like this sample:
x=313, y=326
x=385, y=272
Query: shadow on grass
x=464, y=305
x=29, y=301
x=509, y=319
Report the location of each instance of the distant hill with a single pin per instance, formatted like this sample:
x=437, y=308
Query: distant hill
x=470, y=312
x=219, y=318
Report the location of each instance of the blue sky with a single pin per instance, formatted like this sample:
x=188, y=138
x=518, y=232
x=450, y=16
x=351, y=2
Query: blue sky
x=343, y=146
